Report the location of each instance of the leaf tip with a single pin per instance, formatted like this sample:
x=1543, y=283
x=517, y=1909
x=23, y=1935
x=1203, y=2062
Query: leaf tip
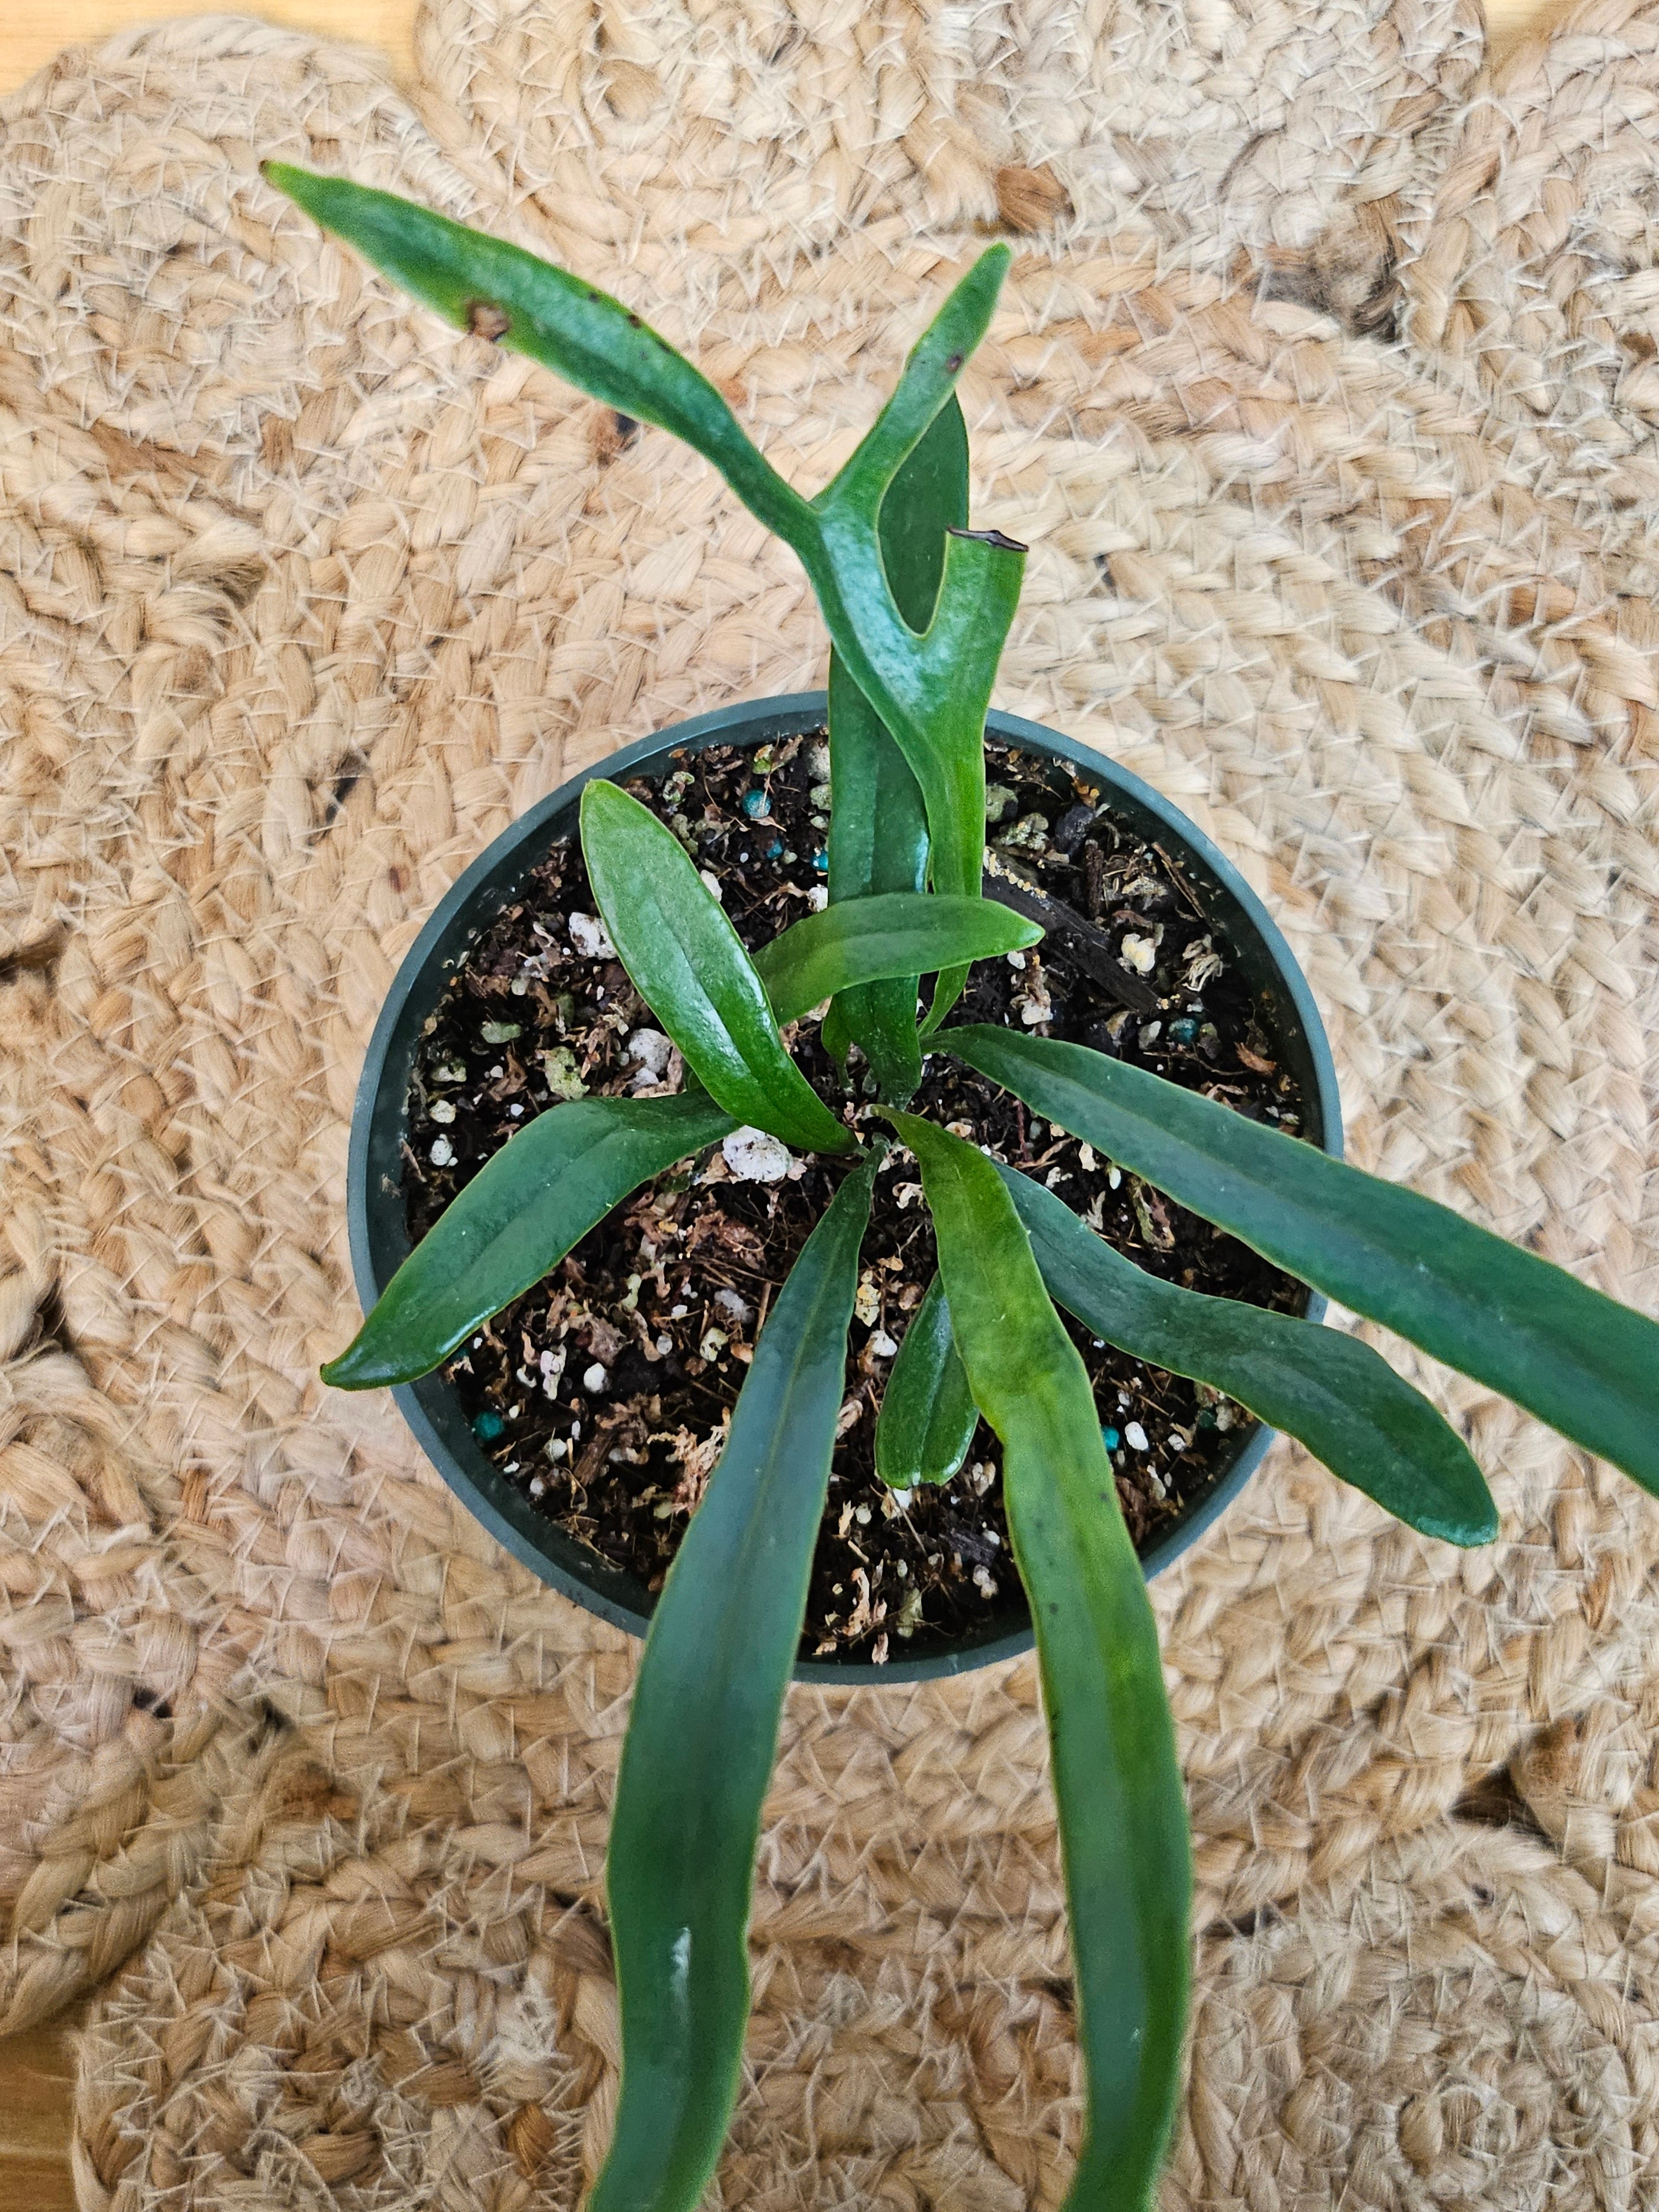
x=1468, y=1522
x=293, y=182
x=599, y=791
x=352, y=1370
x=1480, y=1530
x=998, y=540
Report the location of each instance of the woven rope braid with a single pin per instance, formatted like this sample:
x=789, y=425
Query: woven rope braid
x=1536, y=276
x=751, y=129
x=301, y=599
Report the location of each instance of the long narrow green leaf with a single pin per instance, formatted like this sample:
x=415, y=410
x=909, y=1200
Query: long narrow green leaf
x=869, y=939
x=925, y=387
x=929, y=677
x=703, y=1734
x=877, y=843
x=1580, y=1361
x=930, y=691
x=520, y=1215
x=879, y=825
x=526, y=304
x=1122, y=1816
x=690, y=966
x=928, y=1416
x=1332, y=1392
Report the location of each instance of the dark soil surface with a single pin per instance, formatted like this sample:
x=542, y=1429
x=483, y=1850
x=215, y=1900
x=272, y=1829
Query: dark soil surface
x=605, y=1393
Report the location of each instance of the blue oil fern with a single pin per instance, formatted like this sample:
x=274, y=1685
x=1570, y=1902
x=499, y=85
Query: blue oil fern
x=918, y=606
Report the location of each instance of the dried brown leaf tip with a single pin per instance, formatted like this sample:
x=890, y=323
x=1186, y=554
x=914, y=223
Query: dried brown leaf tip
x=486, y=320
x=1000, y=538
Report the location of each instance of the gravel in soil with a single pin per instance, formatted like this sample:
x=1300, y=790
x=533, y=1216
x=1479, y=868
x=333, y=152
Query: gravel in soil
x=604, y=1394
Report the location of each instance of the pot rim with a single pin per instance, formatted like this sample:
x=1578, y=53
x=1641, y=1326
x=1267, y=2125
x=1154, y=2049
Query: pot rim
x=444, y=940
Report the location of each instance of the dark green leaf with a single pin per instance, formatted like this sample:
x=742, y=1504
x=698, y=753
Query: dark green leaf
x=1122, y=1816
x=520, y=1215
x=869, y=939
x=928, y=1416
x=930, y=691
x=703, y=1733
x=928, y=677
x=878, y=842
x=499, y=291
x=1332, y=1392
x=1580, y=1361
x=690, y=966
x=926, y=385
x=836, y=1040
x=879, y=825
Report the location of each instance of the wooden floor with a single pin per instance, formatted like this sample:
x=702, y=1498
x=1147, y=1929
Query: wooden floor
x=37, y=2068
x=36, y=2074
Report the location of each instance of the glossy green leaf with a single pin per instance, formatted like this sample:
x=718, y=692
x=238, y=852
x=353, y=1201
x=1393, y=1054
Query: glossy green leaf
x=927, y=499
x=703, y=1734
x=1331, y=1392
x=925, y=385
x=523, y=1211
x=928, y=1416
x=879, y=824
x=878, y=842
x=869, y=939
x=837, y=1040
x=932, y=693
x=528, y=306
x=931, y=690
x=1122, y=1814
x=690, y=966
x=1580, y=1361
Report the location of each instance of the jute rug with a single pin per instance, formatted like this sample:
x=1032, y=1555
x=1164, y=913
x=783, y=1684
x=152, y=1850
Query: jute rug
x=1325, y=392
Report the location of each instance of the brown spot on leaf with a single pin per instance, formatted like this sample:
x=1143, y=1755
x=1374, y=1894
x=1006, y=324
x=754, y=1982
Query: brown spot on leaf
x=486, y=320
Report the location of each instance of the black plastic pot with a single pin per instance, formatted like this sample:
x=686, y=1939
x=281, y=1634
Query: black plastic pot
x=379, y=1240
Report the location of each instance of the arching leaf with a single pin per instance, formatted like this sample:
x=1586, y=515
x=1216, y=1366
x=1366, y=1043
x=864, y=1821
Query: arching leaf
x=703, y=1734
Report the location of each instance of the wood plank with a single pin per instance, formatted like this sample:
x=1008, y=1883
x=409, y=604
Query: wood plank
x=37, y=2096
x=33, y=31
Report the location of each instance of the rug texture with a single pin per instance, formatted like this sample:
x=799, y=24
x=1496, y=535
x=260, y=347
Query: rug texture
x=1325, y=390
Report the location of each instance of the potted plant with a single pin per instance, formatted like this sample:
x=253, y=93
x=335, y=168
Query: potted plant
x=479, y=968
x=918, y=606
